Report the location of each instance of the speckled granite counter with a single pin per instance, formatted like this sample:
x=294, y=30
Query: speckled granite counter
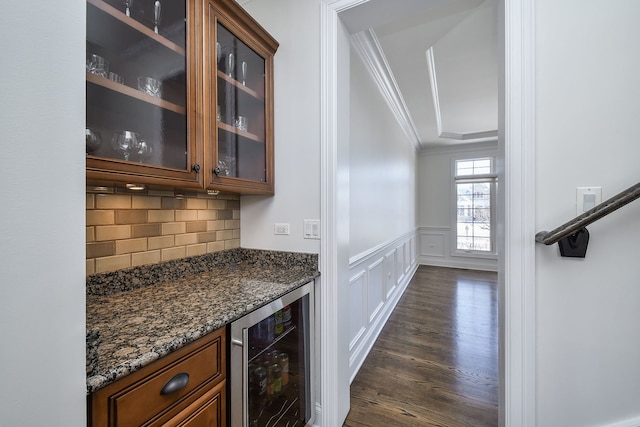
x=138, y=315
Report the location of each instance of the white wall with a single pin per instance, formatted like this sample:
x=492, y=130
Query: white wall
x=436, y=238
x=382, y=167
x=381, y=214
x=42, y=281
x=296, y=26
x=588, y=311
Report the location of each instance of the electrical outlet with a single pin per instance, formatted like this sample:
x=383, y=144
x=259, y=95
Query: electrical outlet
x=281, y=228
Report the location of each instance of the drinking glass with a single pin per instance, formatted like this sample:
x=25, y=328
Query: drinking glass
x=126, y=141
x=128, y=4
x=244, y=73
x=97, y=65
x=93, y=140
x=242, y=123
x=144, y=151
x=230, y=64
x=156, y=16
x=116, y=77
x=150, y=86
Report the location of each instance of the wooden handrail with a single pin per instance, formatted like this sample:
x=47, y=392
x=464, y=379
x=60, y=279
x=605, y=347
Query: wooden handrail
x=578, y=223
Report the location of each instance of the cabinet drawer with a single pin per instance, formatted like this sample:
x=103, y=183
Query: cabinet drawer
x=208, y=411
x=138, y=400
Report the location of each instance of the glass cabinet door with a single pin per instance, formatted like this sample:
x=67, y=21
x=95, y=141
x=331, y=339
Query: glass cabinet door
x=137, y=89
x=241, y=150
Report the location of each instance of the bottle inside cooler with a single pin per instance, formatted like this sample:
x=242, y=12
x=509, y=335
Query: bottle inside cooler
x=277, y=371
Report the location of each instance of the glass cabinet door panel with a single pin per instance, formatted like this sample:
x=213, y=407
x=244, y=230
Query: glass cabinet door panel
x=241, y=109
x=137, y=82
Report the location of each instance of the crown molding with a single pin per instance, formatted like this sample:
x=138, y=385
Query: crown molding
x=368, y=48
x=431, y=65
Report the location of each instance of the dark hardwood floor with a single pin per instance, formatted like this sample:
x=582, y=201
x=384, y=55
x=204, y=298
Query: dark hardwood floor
x=435, y=362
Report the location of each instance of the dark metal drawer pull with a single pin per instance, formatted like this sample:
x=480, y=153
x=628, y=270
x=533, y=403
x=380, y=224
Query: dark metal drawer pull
x=176, y=383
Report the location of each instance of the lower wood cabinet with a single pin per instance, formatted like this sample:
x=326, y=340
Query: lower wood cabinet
x=185, y=388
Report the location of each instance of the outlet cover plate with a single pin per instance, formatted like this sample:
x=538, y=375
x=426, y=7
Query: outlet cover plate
x=281, y=228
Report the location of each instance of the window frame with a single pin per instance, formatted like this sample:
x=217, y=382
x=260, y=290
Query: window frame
x=492, y=179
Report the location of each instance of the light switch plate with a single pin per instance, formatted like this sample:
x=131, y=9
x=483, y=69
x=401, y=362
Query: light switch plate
x=587, y=198
x=311, y=229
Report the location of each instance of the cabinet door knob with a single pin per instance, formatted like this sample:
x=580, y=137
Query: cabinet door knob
x=175, y=384
x=196, y=168
x=216, y=171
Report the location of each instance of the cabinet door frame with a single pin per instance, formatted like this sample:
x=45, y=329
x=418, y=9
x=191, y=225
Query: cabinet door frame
x=104, y=169
x=230, y=15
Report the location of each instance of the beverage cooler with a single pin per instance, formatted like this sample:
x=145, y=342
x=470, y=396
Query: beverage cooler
x=271, y=370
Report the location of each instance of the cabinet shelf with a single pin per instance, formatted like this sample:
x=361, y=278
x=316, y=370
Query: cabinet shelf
x=137, y=26
x=239, y=85
x=232, y=129
x=134, y=93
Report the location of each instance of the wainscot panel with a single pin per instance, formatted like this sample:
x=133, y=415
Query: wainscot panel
x=378, y=279
x=435, y=249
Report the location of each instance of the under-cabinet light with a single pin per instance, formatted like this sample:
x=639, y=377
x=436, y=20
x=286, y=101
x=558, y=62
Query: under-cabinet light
x=213, y=192
x=135, y=187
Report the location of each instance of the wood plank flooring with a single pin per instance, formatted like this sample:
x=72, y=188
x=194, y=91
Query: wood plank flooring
x=435, y=362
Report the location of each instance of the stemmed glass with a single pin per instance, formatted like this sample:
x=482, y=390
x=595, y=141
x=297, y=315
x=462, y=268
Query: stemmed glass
x=144, y=151
x=244, y=73
x=156, y=15
x=230, y=64
x=128, y=4
x=127, y=142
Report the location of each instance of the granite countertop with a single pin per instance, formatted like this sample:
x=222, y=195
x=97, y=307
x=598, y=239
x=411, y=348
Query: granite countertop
x=138, y=315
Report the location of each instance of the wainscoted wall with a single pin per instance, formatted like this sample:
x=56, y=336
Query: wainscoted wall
x=435, y=248
x=377, y=280
x=127, y=230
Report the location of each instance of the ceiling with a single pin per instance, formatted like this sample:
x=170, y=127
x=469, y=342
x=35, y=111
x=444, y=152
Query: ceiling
x=436, y=64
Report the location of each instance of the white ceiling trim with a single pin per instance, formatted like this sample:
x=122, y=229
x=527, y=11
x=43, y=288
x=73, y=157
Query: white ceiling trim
x=368, y=48
x=431, y=65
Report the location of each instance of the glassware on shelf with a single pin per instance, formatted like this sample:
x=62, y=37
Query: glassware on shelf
x=242, y=123
x=244, y=73
x=150, y=86
x=127, y=142
x=116, y=77
x=218, y=53
x=97, y=65
x=230, y=64
x=93, y=140
x=156, y=16
x=128, y=4
x=145, y=151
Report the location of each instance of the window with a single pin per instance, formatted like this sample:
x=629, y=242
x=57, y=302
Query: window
x=475, y=192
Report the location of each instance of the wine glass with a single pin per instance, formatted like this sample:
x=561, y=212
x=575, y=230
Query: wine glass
x=127, y=142
x=156, y=15
x=244, y=73
x=230, y=64
x=218, y=53
x=93, y=140
x=144, y=151
x=128, y=4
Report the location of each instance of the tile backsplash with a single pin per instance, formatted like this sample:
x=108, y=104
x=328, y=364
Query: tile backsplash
x=127, y=230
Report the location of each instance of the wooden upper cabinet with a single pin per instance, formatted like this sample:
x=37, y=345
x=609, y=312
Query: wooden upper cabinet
x=239, y=65
x=163, y=106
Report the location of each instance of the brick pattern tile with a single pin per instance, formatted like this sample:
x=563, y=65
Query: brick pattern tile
x=129, y=230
